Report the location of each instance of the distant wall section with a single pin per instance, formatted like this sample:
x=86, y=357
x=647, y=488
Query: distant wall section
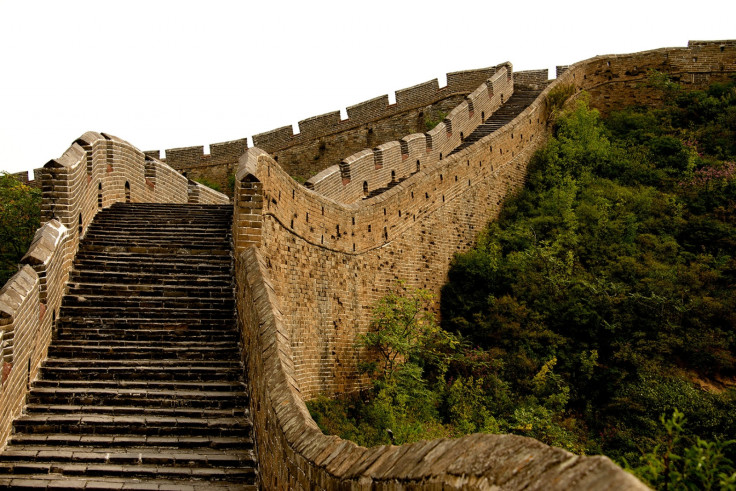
x=361, y=174
x=326, y=139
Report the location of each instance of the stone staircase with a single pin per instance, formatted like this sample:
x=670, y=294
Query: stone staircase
x=519, y=100
x=143, y=386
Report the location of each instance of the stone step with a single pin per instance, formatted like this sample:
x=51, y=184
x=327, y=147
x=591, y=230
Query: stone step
x=122, y=373
x=246, y=474
x=163, y=260
x=129, y=364
x=173, y=302
x=131, y=313
x=185, y=241
x=151, y=285
x=155, y=248
x=72, y=322
x=96, y=292
x=127, y=441
x=141, y=384
x=184, y=333
x=100, y=352
x=118, y=343
x=150, y=335
x=132, y=410
x=126, y=232
x=133, y=424
x=131, y=456
x=152, y=270
x=139, y=397
x=56, y=481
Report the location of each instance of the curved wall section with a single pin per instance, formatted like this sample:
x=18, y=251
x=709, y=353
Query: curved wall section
x=320, y=265
x=294, y=454
x=331, y=261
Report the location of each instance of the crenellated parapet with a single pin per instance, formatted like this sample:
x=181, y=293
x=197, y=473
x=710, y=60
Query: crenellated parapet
x=534, y=79
x=420, y=95
x=325, y=139
x=360, y=174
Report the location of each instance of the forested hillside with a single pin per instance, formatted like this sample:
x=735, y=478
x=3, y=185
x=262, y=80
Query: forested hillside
x=603, y=298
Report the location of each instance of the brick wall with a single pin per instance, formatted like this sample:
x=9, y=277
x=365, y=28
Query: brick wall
x=531, y=78
x=294, y=454
x=322, y=263
x=324, y=140
x=331, y=261
x=368, y=170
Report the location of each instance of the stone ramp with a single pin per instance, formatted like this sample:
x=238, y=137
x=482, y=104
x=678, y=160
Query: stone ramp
x=143, y=386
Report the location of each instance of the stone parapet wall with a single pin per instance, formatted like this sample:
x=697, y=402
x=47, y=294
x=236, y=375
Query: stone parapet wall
x=20, y=312
x=534, y=79
x=323, y=262
x=331, y=261
x=96, y=171
x=294, y=454
x=616, y=81
x=23, y=177
x=359, y=174
x=324, y=140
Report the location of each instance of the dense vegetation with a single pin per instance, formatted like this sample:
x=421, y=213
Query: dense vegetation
x=20, y=210
x=595, y=312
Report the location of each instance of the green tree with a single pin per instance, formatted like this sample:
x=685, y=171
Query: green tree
x=675, y=465
x=20, y=208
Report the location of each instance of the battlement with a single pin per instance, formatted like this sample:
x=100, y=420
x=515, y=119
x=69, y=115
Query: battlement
x=423, y=94
x=325, y=139
x=23, y=177
x=364, y=172
x=532, y=78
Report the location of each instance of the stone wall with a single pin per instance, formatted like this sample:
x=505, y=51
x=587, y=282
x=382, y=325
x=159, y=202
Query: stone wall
x=23, y=177
x=294, y=454
x=96, y=171
x=368, y=170
x=321, y=263
x=324, y=140
x=535, y=79
x=331, y=261
x=615, y=81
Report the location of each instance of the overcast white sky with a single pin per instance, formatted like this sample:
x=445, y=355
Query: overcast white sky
x=166, y=74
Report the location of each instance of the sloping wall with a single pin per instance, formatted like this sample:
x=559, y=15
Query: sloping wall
x=311, y=266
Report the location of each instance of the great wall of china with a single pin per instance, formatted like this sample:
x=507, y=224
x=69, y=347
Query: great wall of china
x=383, y=201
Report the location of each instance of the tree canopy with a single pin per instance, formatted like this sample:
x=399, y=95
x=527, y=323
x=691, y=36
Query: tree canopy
x=20, y=208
